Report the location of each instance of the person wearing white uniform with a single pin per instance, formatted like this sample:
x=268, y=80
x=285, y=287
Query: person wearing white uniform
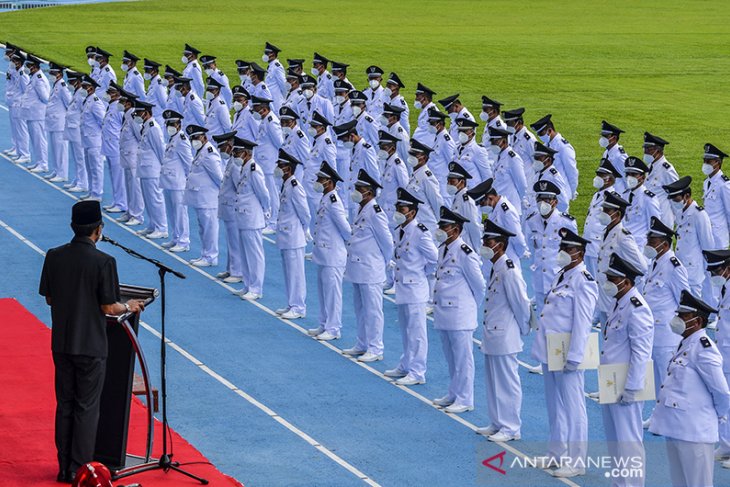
x=253, y=207
x=565, y=153
x=174, y=97
x=331, y=232
x=72, y=133
x=324, y=78
x=244, y=124
x=314, y=102
x=292, y=234
x=444, y=149
x=104, y=72
x=217, y=114
x=149, y=165
x=343, y=115
x=133, y=80
x=544, y=238
x=464, y=205
x=369, y=252
x=201, y=193
x=392, y=96
x=268, y=142
x=394, y=174
x=569, y=305
x=111, y=130
x=423, y=103
x=694, y=234
x=275, y=74
x=544, y=166
x=509, y=174
x=363, y=156
x=294, y=98
x=58, y=103
x=233, y=272
x=34, y=102
x=374, y=93
x=716, y=195
x=458, y=290
x=296, y=143
x=415, y=258
x=490, y=114
x=472, y=156
x=192, y=69
x=523, y=143
x=11, y=93
x=604, y=181
x=176, y=166
x=129, y=137
x=662, y=287
x=18, y=84
x=661, y=173
x=694, y=399
x=258, y=87
x=323, y=150
x=156, y=91
x=627, y=339
x=212, y=71
x=423, y=185
x=244, y=74
x=92, y=116
x=506, y=318
x=643, y=204
x=614, y=152
x=193, y=111
x=455, y=110
x=367, y=126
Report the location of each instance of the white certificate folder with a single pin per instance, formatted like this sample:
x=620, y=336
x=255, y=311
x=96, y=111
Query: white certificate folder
x=558, y=345
x=612, y=378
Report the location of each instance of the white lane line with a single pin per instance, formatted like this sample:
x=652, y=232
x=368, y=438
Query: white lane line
x=295, y=326
x=250, y=399
x=4, y=107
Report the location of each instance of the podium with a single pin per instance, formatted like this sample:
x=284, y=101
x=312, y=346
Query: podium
x=116, y=396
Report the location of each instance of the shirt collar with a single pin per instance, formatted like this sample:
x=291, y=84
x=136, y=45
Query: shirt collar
x=83, y=240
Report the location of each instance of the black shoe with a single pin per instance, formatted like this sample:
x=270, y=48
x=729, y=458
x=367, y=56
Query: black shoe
x=63, y=477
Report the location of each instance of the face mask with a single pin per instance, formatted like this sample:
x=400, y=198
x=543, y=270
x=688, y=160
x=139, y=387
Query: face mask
x=440, y=235
x=25, y=70
x=356, y=111
x=678, y=325
x=510, y=129
x=84, y=93
x=648, y=158
x=209, y=71
x=96, y=64
x=453, y=115
x=184, y=59
x=399, y=218
x=106, y=97
x=318, y=187
x=598, y=182
x=90, y=61
x=383, y=120
x=537, y=165
x=632, y=182
x=257, y=116
x=432, y=130
x=417, y=105
x=677, y=205
x=463, y=138
x=544, y=208
x=707, y=169
x=603, y=142
x=348, y=144
x=545, y=139
x=138, y=120
x=494, y=149
x=451, y=189
x=718, y=281
x=604, y=218
x=237, y=106
x=483, y=117
x=286, y=131
x=312, y=131
x=209, y=96
x=563, y=259
x=610, y=289
x=147, y=76
x=238, y=161
x=265, y=58
x=120, y=107
x=382, y=155
x=178, y=93
x=243, y=77
x=650, y=252
x=486, y=252
x=308, y=94
x=125, y=67
x=314, y=71
x=356, y=196
x=171, y=130
x=374, y=84
x=197, y=144
x=278, y=173
x=413, y=161
x=225, y=157
x=339, y=99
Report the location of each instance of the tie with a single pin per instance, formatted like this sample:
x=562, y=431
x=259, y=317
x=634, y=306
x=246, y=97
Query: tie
x=631, y=197
x=402, y=232
x=560, y=279
x=653, y=267
x=446, y=250
x=491, y=273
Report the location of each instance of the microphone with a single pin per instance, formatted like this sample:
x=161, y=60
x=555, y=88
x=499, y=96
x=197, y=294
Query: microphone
x=104, y=238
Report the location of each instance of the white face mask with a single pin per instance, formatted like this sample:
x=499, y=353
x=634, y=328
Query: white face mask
x=25, y=70
x=197, y=144
x=383, y=120
x=314, y=71
x=356, y=110
x=225, y=157
x=603, y=142
x=610, y=289
x=417, y=105
x=650, y=252
x=177, y=93
x=348, y=144
x=440, y=235
x=677, y=205
x=486, y=252
x=90, y=61
x=120, y=107
x=209, y=96
x=718, y=281
x=84, y=93
x=265, y=58
x=707, y=169
x=125, y=67
x=238, y=161
x=278, y=173
x=678, y=325
x=545, y=139
x=537, y=165
x=487, y=209
x=256, y=116
x=244, y=78
x=399, y=218
x=184, y=59
x=96, y=64
x=563, y=259
x=339, y=99
x=209, y=71
x=308, y=94
x=463, y=138
x=171, y=130
x=451, y=189
x=648, y=158
x=453, y=115
x=598, y=182
x=147, y=76
x=413, y=161
x=432, y=130
x=483, y=117
x=374, y=84
x=106, y=97
x=632, y=182
x=544, y=208
x=318, y=187
x=494, y=149
x=286, y=131
x=312, y=131
x=138, y=120
x=356, y=196
x=237, y=106
x=382, y=154
x=604, y=218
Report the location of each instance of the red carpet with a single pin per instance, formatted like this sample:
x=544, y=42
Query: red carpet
x=27, y=407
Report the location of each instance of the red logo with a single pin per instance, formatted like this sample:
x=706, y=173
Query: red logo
x=500, y=456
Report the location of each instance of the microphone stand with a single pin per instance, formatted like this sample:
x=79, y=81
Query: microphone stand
x=165, y=462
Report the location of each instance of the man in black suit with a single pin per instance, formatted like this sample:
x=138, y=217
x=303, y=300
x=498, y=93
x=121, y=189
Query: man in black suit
x=80, y=285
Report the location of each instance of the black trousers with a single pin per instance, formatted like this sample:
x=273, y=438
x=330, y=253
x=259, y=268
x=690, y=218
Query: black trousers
x=79, y=382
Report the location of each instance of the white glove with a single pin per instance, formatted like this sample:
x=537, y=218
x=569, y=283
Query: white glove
x=570, y=366
x=308, y=236
x=527, y=255
x=627, y=397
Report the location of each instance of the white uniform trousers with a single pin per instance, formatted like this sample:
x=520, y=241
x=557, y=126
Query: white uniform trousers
x=274, y=189
x=459, y=352
x=154, y=202
x=13, y=136
x=329, y=290
x=368, y=304
x=39, y=142
x=412, y=321
x=234, y=263
x=208, y=231
x=81, y=177
x=296, y=282
x=253, y=260
x=95, y=170
x=690, y=464
x=567, y=415
x=724, y=430
x=625, y=435
x=22, y=139
x=135, y=201
x=177, y=216
x=504, y=392
x=119, y=188
x=58, y=162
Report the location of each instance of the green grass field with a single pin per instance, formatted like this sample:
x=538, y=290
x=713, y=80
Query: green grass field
x=660, y=66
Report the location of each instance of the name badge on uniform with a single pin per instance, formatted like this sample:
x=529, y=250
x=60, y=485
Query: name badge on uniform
x=558, y=345
x=612, y=379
